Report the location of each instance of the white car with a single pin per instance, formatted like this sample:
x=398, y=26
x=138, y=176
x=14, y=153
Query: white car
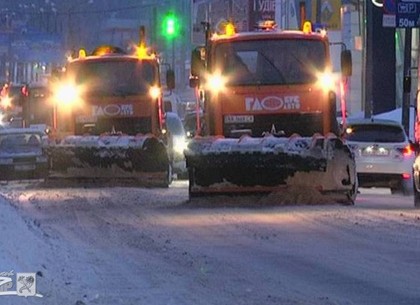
x=179, y=143
x=384, y=155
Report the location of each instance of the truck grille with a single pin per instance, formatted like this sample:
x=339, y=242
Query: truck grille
x=24, y=160
x=305, y=124
x=130, y=126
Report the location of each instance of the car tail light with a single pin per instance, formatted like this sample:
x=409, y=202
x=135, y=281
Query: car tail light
x=406, y=151
x=406, y=176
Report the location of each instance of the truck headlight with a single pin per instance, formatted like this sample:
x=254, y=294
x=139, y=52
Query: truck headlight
x=155, y=92
x=216, y=82
x=67, y=94
x=6, y=102
x=326, y=81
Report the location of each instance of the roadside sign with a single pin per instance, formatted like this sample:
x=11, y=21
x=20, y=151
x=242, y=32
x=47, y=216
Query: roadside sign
x=389, y=7
x=407, y=13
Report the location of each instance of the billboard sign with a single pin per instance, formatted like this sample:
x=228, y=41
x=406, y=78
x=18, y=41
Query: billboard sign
x=245, y=15
x=329, y=13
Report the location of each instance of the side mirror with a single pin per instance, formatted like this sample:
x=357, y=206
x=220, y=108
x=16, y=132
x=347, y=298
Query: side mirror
x=198, y=61
x=346, y=63
x=170, y=79
x=194, y=82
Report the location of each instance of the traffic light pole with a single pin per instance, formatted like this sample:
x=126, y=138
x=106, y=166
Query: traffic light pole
x=173, y=53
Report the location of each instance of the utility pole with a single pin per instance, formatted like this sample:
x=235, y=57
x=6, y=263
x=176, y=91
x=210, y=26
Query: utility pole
x=405, y=111
x=318, y=12
x=366, y=106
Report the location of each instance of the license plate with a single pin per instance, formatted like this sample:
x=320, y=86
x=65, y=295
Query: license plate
x=25, y=167
x=86, y=119
x=380, y=152
x=239, y=119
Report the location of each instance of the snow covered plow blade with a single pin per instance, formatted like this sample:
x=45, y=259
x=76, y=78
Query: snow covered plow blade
x=141, y=158
x=219, y=165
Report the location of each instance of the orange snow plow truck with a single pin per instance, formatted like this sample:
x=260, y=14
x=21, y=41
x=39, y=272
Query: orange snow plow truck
x=108, y=118
x=269, y=115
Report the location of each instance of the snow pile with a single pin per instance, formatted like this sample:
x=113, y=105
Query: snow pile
x=293, y=145
x=25, y=248
x=295, y=194
x=105, y=141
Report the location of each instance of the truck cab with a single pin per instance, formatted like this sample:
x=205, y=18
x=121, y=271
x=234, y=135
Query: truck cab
x=110, y=91
x=267, y=81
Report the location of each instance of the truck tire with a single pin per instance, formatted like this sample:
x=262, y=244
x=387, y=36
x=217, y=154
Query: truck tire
x=416, y=195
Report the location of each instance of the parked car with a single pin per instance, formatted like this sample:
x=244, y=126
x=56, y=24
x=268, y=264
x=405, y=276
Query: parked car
x=22, y=155
x=384, y=155
x=179, y=143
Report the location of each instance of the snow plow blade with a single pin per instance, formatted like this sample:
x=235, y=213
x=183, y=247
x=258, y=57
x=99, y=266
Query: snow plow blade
x=269, y=164
x=140, y=158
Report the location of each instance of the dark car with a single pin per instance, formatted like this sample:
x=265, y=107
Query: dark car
x=190, y=123
x=22, y=155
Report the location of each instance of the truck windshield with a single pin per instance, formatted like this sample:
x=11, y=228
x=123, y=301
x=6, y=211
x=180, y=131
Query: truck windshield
x=271, y=62
x=116, y=77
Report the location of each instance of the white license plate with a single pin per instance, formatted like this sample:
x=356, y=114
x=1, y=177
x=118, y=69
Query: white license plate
x=86, y=119
x=239, y=119
x=25, y=167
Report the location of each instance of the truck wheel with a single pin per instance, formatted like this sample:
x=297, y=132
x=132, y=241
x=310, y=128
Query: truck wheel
x=351, y=195
x=191, y=182
x=416, y=195
x=169, y=176
x=416, y=199
x=404, y=187
x=407, y=187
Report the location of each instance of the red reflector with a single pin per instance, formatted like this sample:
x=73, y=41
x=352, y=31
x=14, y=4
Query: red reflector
x=406, y=176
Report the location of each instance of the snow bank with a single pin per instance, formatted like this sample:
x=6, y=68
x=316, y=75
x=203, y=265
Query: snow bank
x=24, y=249
x=29, y=246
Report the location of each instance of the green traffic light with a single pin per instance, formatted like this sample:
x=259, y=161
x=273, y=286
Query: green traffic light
x=170, y=27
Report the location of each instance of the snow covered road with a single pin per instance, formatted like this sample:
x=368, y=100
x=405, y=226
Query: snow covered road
x=150, y=246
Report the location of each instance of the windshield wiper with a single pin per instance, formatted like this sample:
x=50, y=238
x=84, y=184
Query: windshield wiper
x=280, y=74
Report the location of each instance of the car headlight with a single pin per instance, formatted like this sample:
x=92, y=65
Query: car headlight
x=6, y=161
x=179, y=144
